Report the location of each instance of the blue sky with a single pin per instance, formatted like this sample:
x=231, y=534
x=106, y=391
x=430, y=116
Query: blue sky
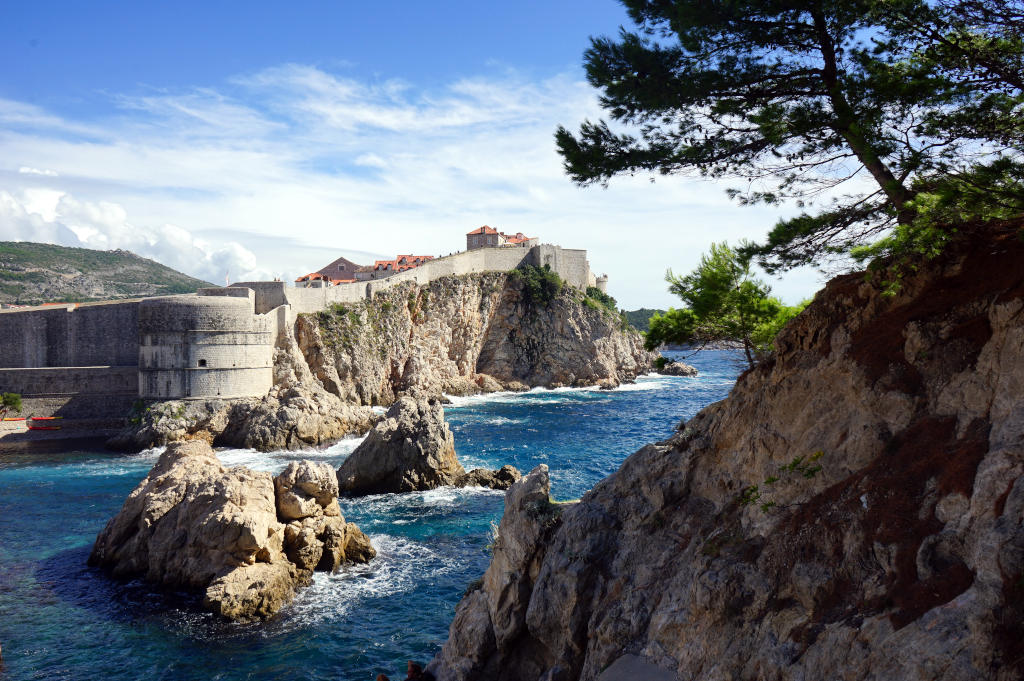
x=260, y=139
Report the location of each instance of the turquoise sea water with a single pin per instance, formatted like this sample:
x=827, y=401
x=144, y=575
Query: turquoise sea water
x=60, y=619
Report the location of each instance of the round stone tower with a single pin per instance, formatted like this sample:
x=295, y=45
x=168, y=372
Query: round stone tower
x=203, y=347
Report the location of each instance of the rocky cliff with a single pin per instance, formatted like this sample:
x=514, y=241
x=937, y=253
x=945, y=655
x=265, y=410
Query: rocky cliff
x=468, y=334
x=854, y=509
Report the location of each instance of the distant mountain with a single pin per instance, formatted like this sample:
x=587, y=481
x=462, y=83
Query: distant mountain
x=43, y=273
x=640, y=319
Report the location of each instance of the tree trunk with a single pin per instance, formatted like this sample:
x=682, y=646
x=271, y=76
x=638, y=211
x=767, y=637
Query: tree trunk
x=848, y=127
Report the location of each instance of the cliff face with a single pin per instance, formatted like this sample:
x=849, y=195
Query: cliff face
x=855, y=506
x=456, y=335
x=467, y=334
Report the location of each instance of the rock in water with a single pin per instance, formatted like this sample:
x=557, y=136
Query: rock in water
x=677, y=369
x=503, y=478
x=412, y=449
x=195, y=524
x=493, y=617
x=316, y=536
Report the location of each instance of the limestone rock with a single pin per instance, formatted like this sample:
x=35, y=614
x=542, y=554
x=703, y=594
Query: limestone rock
x=502, y=479
x=856, y=505
x=677, y=369
x=412, y=449
x=488, y=621
x=462, y=335
x=194, y=524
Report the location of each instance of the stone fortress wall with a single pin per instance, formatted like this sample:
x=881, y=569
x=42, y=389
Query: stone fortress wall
x=216, y=343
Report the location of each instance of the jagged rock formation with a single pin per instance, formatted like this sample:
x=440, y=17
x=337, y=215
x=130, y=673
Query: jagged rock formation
x=296, y=413
x=242, y=538
x=412, y=449
x=467, y=334
x=316, y=536
x=677, y=369
x=856, y=505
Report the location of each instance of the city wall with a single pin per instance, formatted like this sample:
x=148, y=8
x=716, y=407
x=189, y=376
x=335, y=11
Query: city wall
x=570, y=264
x=94, y=334
x=96, y=358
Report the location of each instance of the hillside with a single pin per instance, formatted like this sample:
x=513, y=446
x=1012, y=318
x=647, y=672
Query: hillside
x=854, y=509
x=38, y=273
x=641, y=319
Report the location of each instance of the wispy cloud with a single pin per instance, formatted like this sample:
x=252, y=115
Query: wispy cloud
x=296, y=163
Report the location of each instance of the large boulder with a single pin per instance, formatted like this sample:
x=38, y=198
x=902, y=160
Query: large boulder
x=412, y=449
x=194, y=524
x=502, y=479
x=674, y=368
x=316, y=535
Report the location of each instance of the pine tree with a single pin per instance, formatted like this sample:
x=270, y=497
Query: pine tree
x=795, y=98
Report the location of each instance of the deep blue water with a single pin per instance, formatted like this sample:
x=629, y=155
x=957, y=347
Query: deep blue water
x=62, y=620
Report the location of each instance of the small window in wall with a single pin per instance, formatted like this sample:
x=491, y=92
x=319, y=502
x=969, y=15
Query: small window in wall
x=202, y=362
x=341, y=268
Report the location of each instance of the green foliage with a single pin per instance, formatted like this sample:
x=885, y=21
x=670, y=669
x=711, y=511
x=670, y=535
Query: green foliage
x=603, y=299
x=723, y=303
x=805, y=467
x=794, y=98
x=641, y=319
x=943, y=206
x=8, y=402
x=661, y=362
x=540, y=285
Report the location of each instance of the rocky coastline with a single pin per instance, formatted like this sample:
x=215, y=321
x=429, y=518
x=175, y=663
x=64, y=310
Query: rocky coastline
x=856, y=505
x=456, y=335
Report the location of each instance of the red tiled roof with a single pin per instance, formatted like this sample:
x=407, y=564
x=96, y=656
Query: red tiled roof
x=483, y=230
x=516, y=238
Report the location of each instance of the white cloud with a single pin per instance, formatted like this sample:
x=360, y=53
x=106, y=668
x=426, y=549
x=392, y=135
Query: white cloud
x=276, y=171
x=25, y=170
x=68, y=221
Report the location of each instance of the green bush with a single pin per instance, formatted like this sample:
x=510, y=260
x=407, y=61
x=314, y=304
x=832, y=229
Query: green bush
x=540, y=285
x=9, y=401
x=603, y=299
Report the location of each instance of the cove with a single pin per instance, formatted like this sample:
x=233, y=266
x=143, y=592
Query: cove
x=60, y=619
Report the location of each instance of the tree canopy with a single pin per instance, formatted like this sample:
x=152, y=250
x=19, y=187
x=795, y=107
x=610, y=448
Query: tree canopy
x=912, y=99
x=723, y=302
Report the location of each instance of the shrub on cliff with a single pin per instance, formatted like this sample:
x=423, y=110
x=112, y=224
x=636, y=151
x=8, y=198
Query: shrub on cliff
x=540, y=285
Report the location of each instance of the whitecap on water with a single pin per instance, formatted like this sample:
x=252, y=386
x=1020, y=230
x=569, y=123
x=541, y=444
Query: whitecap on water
x=400, y=565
